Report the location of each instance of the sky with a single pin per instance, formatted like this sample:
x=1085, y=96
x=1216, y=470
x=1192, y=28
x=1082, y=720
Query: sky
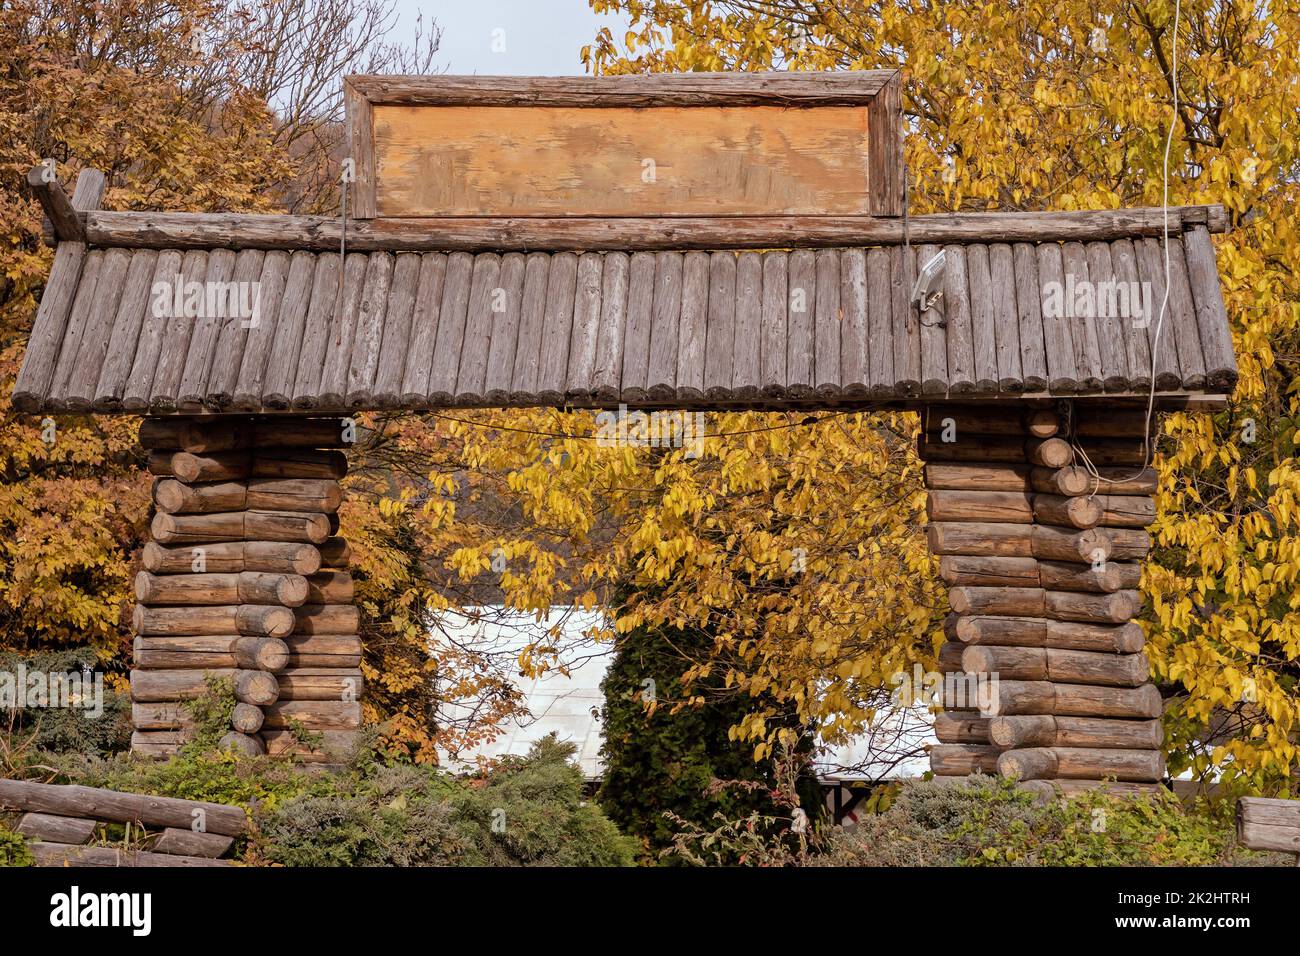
x=507, y=37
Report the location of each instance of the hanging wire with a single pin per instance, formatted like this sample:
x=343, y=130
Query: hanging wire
x=1148, y=451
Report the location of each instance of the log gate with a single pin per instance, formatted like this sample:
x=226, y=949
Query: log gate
x=692, y=242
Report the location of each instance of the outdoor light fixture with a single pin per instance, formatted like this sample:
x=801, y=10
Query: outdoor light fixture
x=928, y=291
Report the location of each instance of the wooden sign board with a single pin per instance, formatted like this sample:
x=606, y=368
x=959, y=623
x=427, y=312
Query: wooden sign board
x=695, y=144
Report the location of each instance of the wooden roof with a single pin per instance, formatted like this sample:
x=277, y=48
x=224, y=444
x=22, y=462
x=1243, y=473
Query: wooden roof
x=394, y=328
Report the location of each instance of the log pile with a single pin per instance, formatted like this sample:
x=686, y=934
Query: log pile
x=1043, y=562
x=246, y=579
x=60, y=822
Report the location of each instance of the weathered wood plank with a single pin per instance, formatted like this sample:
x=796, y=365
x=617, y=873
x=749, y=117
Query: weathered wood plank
x=1062, y=376
x=607, y=373
x=934, y=346
x=139, y=381
x=368, y=336
x=586, y=327
x=424, y=330
x=855, y=359
x=661, y=379
x=276, y=388
x=398, y=315
x=801, y=342
x=532, y=314
x=1171, y=335
x=1083, y=328
x=773, y=344
x=82, y=305
x=1033, y=360
x=1211, y=316
x=507, y=301
x=720, y=333
x=637, y=90
x=880, y=326
x=232, y=337
x=827, y=319
x=245, y=389
x=84, y=375
x=959, y=327
x=471, y=375
x=452, y=314
x=342, y=332
x=576, y=233
x=635, y=365
x=1133, y=311
x=692, y=325
x=124, y=338
x=50, y=338
x=207, y=328
x=984, y=346
x=557, y=327
x=326, y=293
x=906, y=325
x=1110, y=329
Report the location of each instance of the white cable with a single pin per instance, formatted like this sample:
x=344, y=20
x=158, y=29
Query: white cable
x=1147, y=450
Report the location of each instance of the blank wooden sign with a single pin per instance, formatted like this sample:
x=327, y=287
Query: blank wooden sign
x=747, y=144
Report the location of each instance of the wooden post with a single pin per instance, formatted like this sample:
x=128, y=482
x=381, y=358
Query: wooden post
x=247, y=579
x=1042, y=560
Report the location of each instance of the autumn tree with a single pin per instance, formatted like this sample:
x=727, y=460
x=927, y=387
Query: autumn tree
x=197, y=105
x=1061, y=105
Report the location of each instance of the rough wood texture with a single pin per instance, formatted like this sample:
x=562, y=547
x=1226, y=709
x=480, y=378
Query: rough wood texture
x=56, y=829
x=1082, y=763
x=960, y=760
x=333, y=351
x=1047, y=731
x=187, y=842
x=61, y=855
x=1077, y=700
x=1066, y=666
x=1040, y=632
x=743, y=161
x=116, y=807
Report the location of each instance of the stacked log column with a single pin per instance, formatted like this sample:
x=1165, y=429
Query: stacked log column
x=246, y=579
x=1043, y=563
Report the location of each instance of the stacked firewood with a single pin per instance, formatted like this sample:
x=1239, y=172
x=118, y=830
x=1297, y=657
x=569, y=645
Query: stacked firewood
x=246, y=579
x=1037, y=514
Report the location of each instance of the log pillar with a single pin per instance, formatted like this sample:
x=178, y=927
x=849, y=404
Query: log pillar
x=245, y=577
x=1045, y=678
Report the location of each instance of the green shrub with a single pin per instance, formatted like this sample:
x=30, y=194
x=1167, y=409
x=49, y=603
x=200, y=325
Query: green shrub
x=65, y=729
x=528, y=811
x=989, y=822
x=13, y=849
x=681, y=761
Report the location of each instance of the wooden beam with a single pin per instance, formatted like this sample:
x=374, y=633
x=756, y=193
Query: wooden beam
x=44, y=183
x=178, y=230
x=806, y=88
x=46, y=340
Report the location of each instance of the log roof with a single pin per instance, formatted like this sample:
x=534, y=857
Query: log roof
x=402, y=323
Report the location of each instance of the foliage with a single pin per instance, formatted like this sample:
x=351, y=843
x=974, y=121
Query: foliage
x=529, y=811
x=666, y=747
x=1067, y=105
x=13, y=849
x=989, y=822
x=65, y=729
x=210, y=712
